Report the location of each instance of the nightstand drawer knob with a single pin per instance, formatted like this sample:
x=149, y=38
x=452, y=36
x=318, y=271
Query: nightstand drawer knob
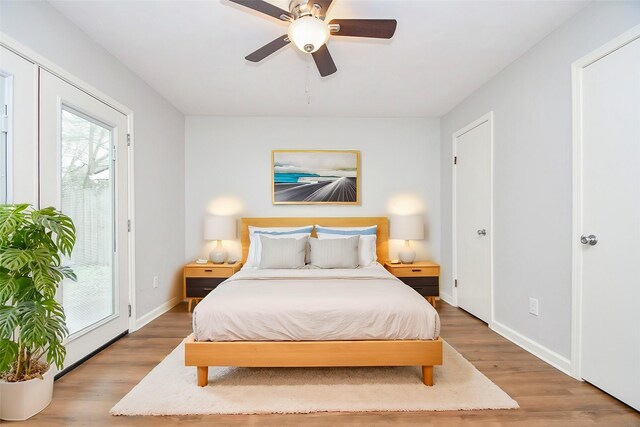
x=416, y=270
x=208, y=271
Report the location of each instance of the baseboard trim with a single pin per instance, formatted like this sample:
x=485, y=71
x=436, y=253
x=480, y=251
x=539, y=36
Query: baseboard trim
x=157, y=312
x=541, y=352
x=447, y=298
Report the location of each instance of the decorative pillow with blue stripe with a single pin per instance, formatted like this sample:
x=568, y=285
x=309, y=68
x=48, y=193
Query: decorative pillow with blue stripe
x=348, y=231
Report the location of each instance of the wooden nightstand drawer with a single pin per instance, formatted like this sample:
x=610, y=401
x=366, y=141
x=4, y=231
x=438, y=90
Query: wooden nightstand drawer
x=408, y=271
x=200, y=287
x=425, y=286
x=208, y=272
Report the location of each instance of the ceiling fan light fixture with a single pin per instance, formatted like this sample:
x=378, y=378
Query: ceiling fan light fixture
x=308, y=33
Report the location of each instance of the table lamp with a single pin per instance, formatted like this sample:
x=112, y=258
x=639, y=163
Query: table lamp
x=407, y=227
x=219, y=228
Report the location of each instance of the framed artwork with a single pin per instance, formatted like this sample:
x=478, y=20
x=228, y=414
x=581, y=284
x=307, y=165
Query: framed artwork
x=315, y=177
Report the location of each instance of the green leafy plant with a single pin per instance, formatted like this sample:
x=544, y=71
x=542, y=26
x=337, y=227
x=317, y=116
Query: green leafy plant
x=32, y=322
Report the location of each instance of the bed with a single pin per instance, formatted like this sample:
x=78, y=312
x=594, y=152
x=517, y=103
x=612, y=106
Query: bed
x=314, y=318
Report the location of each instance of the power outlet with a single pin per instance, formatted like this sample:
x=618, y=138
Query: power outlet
x=155, y=282
x=533, y=306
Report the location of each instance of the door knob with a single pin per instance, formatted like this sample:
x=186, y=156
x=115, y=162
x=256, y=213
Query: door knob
x=482, y=232
x=590, y=240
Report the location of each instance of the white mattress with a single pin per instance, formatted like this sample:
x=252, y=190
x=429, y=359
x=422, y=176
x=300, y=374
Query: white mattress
x=314, y=305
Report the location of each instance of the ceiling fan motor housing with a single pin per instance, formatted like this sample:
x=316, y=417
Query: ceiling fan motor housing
x=300, y=8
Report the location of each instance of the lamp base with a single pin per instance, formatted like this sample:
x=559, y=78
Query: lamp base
x=218, y=255
x=407, y=255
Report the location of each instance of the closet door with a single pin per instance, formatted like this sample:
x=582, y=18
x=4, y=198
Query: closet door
x=610, y=250
x=83, y=172
x=18, y=137
x=473, y=257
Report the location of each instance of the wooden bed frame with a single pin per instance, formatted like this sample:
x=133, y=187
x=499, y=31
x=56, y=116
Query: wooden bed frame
x=425, y=353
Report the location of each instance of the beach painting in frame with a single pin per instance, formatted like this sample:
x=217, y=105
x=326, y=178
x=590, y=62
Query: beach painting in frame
x=315, y=177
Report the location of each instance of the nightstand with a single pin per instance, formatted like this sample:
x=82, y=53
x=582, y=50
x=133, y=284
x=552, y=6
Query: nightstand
x=200, y=279
x=423, y=276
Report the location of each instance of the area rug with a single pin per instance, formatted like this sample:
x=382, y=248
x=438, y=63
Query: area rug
x=170, y=389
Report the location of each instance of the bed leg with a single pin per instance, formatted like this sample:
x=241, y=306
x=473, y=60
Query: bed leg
x=203, y=376
x=427, y=375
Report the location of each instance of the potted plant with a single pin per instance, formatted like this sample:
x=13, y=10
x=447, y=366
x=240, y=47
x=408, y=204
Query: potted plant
x=32, y=322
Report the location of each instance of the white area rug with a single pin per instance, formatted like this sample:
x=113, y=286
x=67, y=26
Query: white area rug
x=170, y=389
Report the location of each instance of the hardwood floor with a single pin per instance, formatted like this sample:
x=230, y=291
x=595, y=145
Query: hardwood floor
x=546, y=396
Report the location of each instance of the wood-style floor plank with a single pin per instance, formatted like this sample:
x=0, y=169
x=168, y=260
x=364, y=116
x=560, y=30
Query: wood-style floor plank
x=546, y=396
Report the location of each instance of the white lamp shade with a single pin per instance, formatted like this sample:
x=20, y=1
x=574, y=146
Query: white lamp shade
x=308, y=33
x=407, y=227
x=219, y=228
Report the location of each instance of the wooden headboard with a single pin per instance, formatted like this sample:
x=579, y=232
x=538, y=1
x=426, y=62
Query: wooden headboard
x=382, y=235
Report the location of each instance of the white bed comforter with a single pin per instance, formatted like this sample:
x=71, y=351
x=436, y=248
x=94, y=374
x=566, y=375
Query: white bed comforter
x=314, y=305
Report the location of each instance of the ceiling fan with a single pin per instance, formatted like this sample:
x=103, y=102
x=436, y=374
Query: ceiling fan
x=309, y=32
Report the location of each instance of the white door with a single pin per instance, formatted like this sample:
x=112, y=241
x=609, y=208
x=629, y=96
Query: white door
x=83, y=172
x=610, y=353
x=473, y=151
x=18, y=138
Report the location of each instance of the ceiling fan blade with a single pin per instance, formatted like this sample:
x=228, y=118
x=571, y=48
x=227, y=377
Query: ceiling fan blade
x=324, y=61
x=268, y=49
x=324, y=6
x=373, y=28
x=266, y=8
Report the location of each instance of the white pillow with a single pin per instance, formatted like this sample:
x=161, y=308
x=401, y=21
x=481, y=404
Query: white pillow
x=334, y=253
x=255, y=246
x=282, y=252
x=367, y=246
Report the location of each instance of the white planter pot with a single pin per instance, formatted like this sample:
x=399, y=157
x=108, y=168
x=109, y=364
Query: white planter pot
x=22, y=400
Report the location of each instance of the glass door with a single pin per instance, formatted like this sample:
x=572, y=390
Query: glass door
x=18, y=139
x=4, y=140
x=83, y=164
x=87, y=196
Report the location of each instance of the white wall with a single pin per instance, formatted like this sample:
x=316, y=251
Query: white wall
x=228, y=170
x=531, y=101
x=158, y=134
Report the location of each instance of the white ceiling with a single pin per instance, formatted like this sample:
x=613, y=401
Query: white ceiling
x=192, y=52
